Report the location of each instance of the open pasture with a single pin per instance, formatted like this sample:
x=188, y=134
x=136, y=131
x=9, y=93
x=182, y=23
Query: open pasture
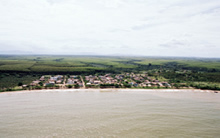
x=94, y=63
x=186, y=62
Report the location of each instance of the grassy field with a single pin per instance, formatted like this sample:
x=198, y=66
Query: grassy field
x=61, y=64
x=84, y=63
x=199, y=63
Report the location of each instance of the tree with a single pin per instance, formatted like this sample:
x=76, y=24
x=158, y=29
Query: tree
x=20, y=84
x=69, y=86
x=76, y=86
x=38, y=87
x=40, y=83
x=176, y=85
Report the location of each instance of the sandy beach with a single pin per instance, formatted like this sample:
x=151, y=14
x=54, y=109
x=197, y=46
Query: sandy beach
x=117, y=90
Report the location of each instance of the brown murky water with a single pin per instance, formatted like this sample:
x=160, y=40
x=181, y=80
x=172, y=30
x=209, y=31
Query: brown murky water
x=122, y=113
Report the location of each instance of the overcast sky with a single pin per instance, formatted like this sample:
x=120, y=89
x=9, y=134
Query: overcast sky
x=189, y=28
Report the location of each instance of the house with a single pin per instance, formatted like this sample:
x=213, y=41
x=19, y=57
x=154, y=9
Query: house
x=70, y=81
x=59, y=81
x=42, y=78
x=80, y=84
x=97, y=82
x=49, y=84
x=144, y=85
x=147, y=81
x=91, y=81
x=73, y=76
x=51, y=81
x=160, y=84
x=153, y=83
x=109, y=78
x=34, y=83
x=24, y=86
x=87, y=78
x=53, y=78
x=166, y=84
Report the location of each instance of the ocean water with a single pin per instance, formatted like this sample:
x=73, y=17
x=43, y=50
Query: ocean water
x=110, y=113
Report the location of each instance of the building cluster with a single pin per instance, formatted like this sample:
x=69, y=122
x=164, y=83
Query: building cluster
x=97, y=80
x=74, y=80
x=48, y=80
x=122, y=80
x=57, y=80
x=134, y=80
x=52, y=80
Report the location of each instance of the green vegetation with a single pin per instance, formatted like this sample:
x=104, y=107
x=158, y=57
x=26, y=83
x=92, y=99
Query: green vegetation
x=10, y=80
x=200, y=73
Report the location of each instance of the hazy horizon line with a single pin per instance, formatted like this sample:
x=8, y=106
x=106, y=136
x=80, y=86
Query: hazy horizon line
x=107, y=55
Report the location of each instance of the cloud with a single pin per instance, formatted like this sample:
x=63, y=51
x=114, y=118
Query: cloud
x=133, y=27
x=176, y=43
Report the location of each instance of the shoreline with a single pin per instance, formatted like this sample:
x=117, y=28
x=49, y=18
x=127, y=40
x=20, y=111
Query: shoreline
x=115, y=90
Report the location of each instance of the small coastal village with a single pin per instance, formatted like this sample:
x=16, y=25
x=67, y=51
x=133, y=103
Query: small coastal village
x=126, y=80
